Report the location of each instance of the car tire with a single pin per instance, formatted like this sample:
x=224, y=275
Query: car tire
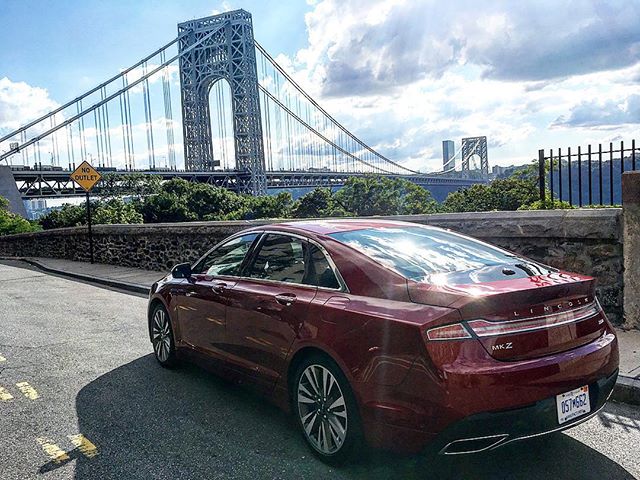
x=328, y=418
x=162, y=339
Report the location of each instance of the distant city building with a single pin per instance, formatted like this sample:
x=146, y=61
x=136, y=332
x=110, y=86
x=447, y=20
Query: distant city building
x=448, y=151
x=36, y=208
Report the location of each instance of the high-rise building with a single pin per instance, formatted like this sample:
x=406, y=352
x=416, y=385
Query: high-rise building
x=448, y=151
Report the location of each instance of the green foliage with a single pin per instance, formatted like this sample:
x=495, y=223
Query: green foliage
x=165, y=207
x=269, y=206
x=178, y=200
x=375, y=195
x=116, y=211
x=11, y=223
x=317, y=203
x=102, y=212
x=537, y=205
x=503, y=194
x=66, y=216
x=207, y=202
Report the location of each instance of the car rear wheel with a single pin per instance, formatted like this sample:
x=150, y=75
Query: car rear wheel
x=326, y=410
x=162, y=337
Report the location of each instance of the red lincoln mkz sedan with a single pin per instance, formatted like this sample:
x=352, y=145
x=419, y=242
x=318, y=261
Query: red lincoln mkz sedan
x=393, y=333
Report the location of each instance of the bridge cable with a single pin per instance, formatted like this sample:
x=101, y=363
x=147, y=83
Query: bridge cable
x=148, y=118
x=316, y=132
x=315, y=104
x=81, y=114
x=86, y=94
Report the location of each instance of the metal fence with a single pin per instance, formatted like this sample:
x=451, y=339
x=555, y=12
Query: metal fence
x=586, y=176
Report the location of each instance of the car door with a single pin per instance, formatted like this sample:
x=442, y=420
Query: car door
x=202, y=310
x=267, y=307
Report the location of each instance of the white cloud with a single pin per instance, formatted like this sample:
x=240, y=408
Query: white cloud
x=21, y=103
x=404, y=75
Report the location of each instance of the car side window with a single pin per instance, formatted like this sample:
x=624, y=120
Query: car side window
x=319, y=271
x=227, y=258
x=280, y=258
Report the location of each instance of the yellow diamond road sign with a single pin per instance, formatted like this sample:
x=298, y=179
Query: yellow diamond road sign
x=86, y=176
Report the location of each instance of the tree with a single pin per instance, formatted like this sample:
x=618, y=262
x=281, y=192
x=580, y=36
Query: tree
x=415, y=199
x=66, y=216
x=377, y=195
x=177, y=186
x=269, y=206
x=116, y=211
x=503, y=194
x=11, y=223
x=165, y=207
x=205, y=201
x=317, y=203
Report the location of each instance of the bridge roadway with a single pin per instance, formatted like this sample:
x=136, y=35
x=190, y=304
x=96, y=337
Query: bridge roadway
x=56, y=183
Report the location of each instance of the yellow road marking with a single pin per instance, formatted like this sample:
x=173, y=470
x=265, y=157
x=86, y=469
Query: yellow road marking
x=5, y=395
x=53, y=451
x=28, y=391
x=2, y=359
x=82, y=443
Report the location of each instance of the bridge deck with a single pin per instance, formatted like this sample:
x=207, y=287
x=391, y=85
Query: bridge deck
x=56, y=183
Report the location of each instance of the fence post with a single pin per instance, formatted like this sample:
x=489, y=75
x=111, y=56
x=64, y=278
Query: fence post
x=541, y=177
x=631, y=247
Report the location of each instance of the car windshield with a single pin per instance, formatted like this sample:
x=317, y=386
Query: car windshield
x=429, y=255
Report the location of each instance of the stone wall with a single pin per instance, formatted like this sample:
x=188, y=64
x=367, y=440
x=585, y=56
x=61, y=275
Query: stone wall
x=586, y=241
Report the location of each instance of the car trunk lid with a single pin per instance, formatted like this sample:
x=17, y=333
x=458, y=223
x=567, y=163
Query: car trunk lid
x=523, y=318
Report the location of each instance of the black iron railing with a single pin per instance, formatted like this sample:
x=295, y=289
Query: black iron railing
x=585, y=176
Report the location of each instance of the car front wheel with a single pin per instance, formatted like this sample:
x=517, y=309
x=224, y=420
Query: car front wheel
x=162, y=337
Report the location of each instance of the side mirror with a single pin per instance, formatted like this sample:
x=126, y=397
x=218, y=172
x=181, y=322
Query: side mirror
x=182, y=270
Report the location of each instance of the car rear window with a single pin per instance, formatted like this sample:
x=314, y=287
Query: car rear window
x=430, y=255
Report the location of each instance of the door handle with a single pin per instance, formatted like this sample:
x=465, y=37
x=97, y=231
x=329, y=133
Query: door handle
x=219, y=287
x=285, y=299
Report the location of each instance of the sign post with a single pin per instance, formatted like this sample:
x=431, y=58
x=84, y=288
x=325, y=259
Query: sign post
x=86, y=176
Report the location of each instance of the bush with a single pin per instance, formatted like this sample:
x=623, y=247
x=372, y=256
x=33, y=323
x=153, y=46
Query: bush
x=11, y=223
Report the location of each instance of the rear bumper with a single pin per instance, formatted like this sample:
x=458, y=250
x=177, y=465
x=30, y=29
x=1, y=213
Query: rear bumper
x=473, y=395
x=486, y=431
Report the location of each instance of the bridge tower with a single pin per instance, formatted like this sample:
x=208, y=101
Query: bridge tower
x=475, y=146
x=227, y=52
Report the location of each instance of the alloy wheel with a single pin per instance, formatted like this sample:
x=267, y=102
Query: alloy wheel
x=161, y=335
x=322, y=409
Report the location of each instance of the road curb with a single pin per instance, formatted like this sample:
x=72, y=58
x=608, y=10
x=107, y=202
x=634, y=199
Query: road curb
x=627, y=390
x=127, y=286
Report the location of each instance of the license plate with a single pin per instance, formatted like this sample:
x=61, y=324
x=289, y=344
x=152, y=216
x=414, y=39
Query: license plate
x=573, y=404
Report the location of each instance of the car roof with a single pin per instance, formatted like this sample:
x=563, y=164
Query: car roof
x=324, y=227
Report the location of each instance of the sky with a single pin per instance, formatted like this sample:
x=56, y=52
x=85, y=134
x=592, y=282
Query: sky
x=403, y=75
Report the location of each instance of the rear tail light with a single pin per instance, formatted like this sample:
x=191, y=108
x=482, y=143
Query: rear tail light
x=457, y=331
x=486, y=328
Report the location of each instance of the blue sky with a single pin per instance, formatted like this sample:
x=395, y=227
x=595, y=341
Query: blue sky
x=402, y=74
x=72, y=45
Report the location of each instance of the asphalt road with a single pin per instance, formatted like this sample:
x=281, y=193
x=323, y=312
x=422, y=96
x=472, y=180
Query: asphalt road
x=96, y=406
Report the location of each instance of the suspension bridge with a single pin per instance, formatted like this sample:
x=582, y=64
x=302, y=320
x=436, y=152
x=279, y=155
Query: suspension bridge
x=240, y=122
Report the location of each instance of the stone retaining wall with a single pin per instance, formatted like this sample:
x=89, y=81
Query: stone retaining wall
x=586, y=241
